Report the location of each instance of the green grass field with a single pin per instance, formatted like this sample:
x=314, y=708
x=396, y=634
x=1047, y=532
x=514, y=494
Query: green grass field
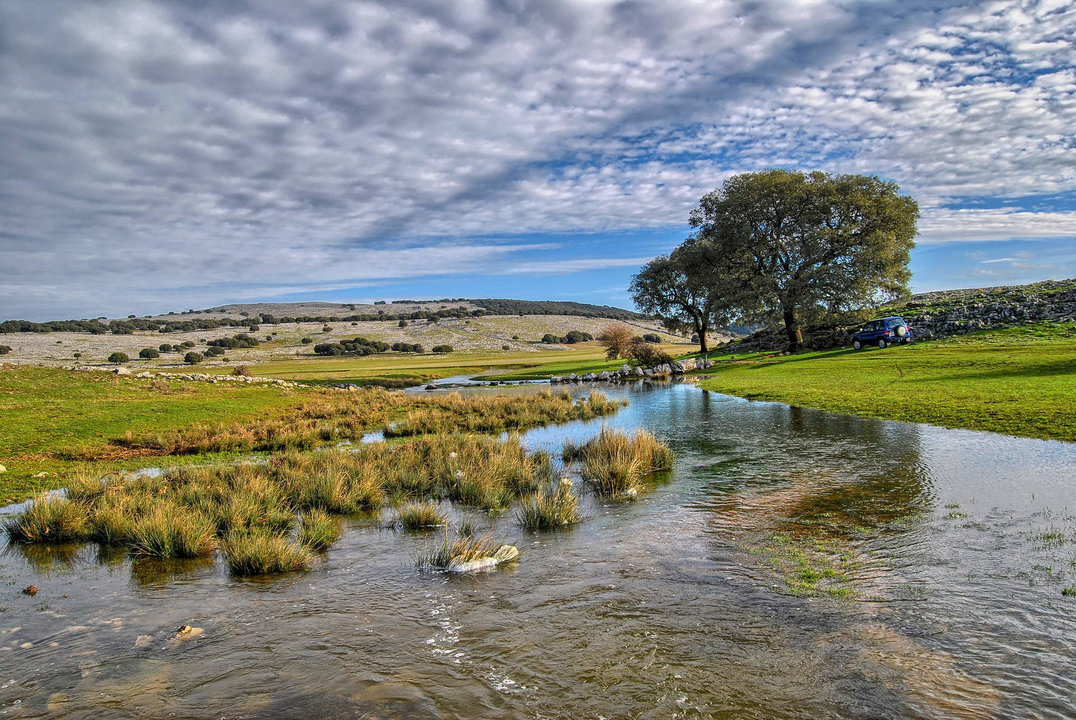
x=1017, y=381
x=51, y=416
x=399, y=369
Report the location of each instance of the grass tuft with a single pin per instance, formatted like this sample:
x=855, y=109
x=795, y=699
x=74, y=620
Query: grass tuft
x=615, y=463
x=49, y=519
x=167, y=530
x=550, y=510
x=420, y=516
x=318, y=530
x=260, y=552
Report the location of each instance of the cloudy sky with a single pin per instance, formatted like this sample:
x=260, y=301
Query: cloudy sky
x=158, y=156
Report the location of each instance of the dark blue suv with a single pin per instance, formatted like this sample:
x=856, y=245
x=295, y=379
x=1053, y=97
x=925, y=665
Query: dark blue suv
x=882, y=332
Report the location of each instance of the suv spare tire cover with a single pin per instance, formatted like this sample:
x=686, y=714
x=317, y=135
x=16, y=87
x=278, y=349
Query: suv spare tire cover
x=902, y=330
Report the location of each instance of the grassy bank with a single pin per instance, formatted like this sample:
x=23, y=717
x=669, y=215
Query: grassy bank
x=1017, y=381
x=56, y=420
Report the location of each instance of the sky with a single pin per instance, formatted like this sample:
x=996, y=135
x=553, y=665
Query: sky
x=161, y=156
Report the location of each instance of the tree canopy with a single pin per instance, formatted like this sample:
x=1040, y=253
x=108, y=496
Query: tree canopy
x=786, y=247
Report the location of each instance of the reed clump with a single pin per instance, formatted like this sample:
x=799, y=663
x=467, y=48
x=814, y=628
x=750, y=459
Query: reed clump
x=261, y=552
x=551, y=509
x=615, y=463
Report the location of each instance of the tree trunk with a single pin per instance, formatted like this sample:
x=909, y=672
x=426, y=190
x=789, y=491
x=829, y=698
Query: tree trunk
x=700, y=330
x=792, y=329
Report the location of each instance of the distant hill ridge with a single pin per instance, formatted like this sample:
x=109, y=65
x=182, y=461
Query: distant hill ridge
x=251, y=315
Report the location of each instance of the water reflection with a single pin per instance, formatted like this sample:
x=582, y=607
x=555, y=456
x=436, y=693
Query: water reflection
x=677, y=605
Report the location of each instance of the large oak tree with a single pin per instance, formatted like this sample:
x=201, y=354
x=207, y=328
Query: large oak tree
x=799, y=245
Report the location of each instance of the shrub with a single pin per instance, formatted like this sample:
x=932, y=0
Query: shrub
x=214, y=351
x=260, y=552
x=406, y=347
x=573, y=336
x=651, y=337
x=506, y=347
x=193, y=358
x=327, y=328
x=119, y=358
x=403, y=323
x=306, y=340
x=148, y=354
x=165, y=347
x=647, y=354
x=5, y=349
x=442, y=348
x=241, y=371
x=616, y=339
x=187, y=344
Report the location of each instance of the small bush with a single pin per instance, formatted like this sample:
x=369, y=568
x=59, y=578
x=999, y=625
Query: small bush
x=49, y=519
x=442, y=349
x=260, y=552
x=306, y=340
x=148, y=354
x=119, y=358
x=165, y=347
x=193, y=358
x=241, y=371
x=647, y=355
x=5, y=349
x=651, y=338
x=506, y=347
x=403, y=323
x=420, y=516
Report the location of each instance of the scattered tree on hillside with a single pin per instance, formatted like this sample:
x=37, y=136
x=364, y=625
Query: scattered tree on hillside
x=118, y=357
x=616, y=339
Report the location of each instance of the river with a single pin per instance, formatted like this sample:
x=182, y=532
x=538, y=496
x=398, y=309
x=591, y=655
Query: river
x=795, y=564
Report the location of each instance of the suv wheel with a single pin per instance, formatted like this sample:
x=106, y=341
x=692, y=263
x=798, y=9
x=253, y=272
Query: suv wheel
x=881, y=342
x=857, y=344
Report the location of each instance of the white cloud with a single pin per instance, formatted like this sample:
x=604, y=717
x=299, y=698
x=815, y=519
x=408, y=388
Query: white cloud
x=158, y=148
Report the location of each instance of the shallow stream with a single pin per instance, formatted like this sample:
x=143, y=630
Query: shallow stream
x=795, y=564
